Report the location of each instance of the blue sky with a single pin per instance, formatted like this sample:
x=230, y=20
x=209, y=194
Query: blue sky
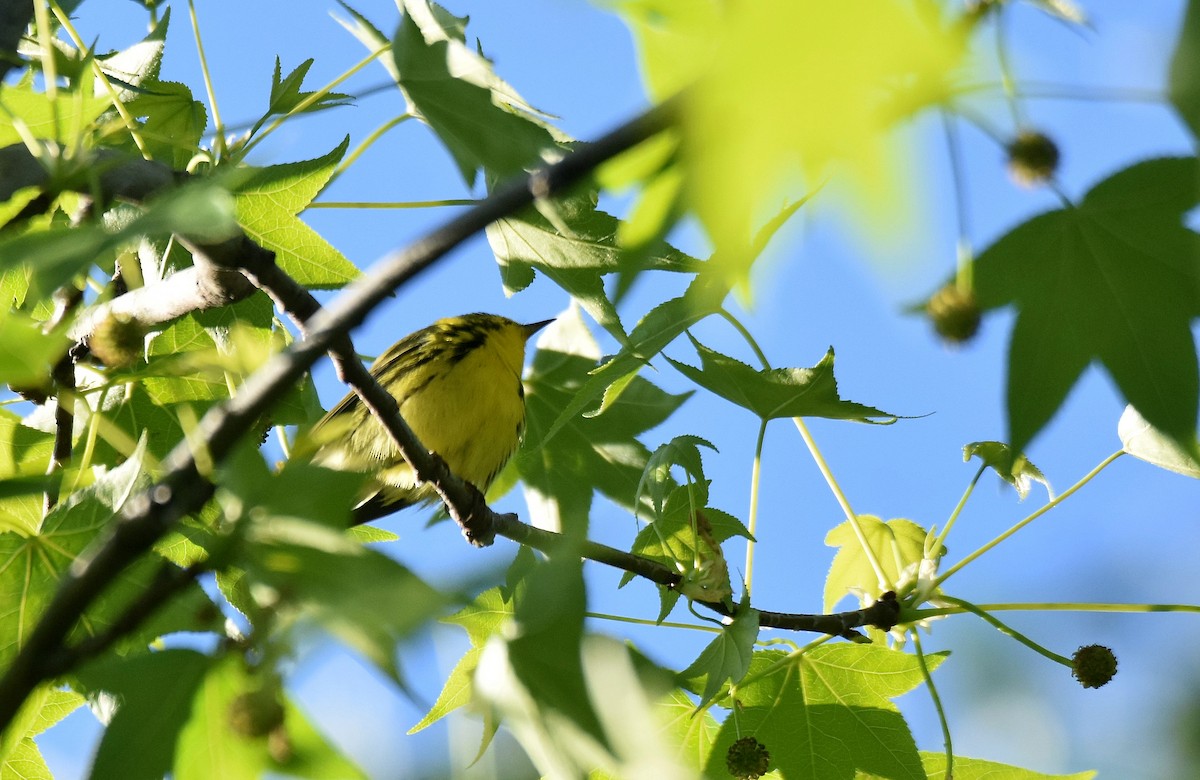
x=1131, y=536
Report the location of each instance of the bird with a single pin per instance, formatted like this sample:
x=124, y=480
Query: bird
x=458, y=385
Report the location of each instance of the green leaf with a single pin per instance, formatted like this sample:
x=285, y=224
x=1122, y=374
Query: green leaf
x=457, y=691
x=587, y=454
x=1012, y=466
x=174, y=122
x=826, y=714
x=267, y=205
x=209, y=748
x=139, y=64
x=692, y=733
x=1183, y=85
x=978, y=769
x=27, y=355
x=481, y=120
x=575, y=244
x=898, y=546
x=779, y=392
x=25, y=763
x=654, y=332
x=57, y=705
x=544, y=653
x=154, y=693
x=1116, y=280
x=1141, y=440
x=725, y=659
x=24, y=455
x=38, y=112
x=680, y=451
x=286, y=93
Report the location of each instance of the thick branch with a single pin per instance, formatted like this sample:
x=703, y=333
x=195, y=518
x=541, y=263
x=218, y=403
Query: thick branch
x=148, y=516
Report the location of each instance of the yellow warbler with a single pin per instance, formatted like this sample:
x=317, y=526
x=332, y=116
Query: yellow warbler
x=458, y=383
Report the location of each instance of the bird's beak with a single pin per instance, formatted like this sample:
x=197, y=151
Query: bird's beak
x=535, y=327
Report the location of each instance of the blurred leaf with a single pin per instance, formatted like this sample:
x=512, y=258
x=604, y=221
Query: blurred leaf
x=1183, y=85
x=865, y=66
x=725, y=659
x=267, y=204
x=1013, y=467
x=1114, y=279
x=154, y=693
x=778, y=392
x=17, y=203
x=597, y=454
x=692, y=733
x=27, y=355
x=481, y=120
x=201, y=210
x=24, y=457
x=897, y=544
x=25, y=762
x=364, y=598
x=1141, y=440
x=209, y=747
x=827, y=714
x=38, y=111
x=978, y=769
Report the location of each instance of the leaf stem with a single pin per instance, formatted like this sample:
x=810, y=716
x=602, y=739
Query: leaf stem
x=963, y=254
x=937, y=703
x=218, y=128
x=1046, y=508
x=752, y=518
x=1049, y=606
x=847, y=510
x=962, y=502
x=654, y=623
x=367, y=142
x=1004, y=628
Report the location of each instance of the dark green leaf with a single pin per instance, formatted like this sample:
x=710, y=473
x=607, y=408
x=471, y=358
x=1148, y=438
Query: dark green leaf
x=1115, y=279
x=588, y=454
x=480, y=118
x=154, y=693
x=779, y=392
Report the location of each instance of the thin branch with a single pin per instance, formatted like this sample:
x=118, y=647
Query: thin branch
x=151, y=514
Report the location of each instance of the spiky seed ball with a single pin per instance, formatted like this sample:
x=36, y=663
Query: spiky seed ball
x=118, y=341
x=747, y=759
x=1032, y=158
x=954, y=313
x=256, y=713
x=1093, y=665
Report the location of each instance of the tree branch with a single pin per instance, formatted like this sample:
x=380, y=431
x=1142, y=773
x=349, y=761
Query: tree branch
x=149, y=515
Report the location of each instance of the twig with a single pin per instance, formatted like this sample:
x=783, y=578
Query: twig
x=151, y=514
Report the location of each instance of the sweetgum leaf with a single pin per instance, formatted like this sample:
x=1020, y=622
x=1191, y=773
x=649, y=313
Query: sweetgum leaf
x=482, y=120
x=826, y=714
x=778, y=392
x=725, y=659
x=267, y=204
x=587, y=454
x=1116, y=280
x=1013, y=467
x=897, y=544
